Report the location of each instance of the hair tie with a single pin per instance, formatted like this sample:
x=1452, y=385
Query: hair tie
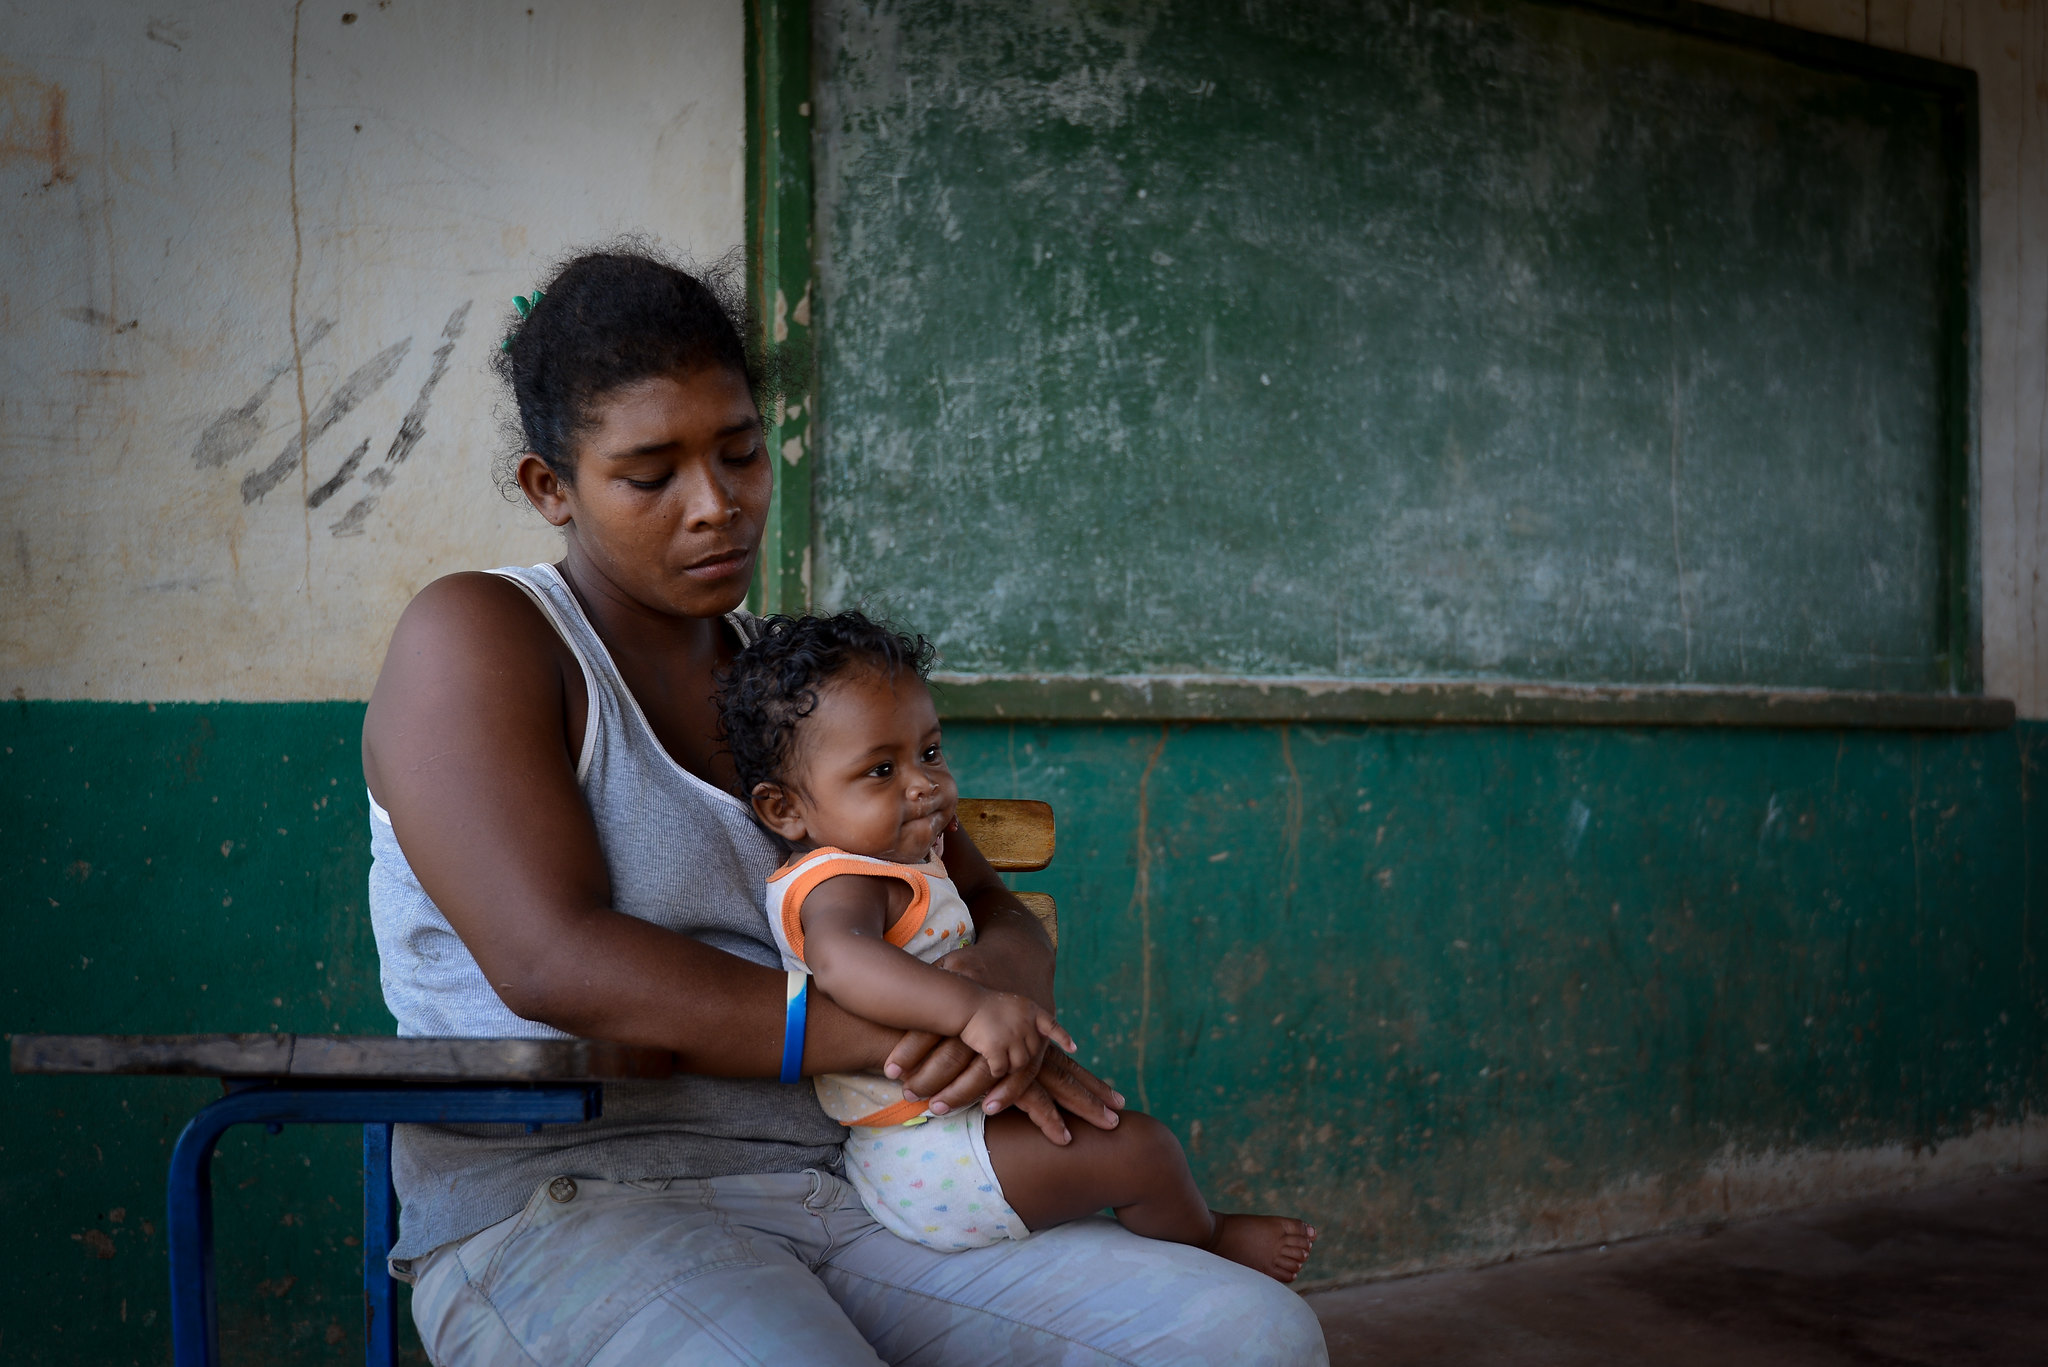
x=526, y=307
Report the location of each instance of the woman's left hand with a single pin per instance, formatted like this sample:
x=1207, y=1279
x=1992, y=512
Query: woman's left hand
x=1010, y=953
x=949, y=1073
x=953, y=1076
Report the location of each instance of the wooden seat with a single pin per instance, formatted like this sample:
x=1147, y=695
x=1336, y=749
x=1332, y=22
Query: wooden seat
x=338, y=1059
x=1016, y=836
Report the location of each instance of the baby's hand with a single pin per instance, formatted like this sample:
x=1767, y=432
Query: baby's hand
x=1007, y=1030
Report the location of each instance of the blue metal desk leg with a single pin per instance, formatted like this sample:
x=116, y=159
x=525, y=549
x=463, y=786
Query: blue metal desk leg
x=189, y=1231
x=380, y=1231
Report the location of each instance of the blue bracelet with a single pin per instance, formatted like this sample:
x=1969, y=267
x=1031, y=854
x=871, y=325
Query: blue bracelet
x=797, y=1009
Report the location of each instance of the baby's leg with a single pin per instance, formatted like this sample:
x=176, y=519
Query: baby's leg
x=1139, y=1171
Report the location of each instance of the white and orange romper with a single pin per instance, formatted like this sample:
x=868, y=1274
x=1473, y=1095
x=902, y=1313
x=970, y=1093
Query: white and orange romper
x=926, y=1178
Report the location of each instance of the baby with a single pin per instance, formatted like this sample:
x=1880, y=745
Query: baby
x=836, y=743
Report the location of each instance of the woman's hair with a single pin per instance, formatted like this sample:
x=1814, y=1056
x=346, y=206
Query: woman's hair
x=774, y=683
x=614, y=316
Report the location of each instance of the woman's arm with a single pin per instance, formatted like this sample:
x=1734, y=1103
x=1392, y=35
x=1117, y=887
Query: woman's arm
x=846, y=944
x=470, y=744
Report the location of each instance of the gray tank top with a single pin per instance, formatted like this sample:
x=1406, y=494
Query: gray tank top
x=681, y=854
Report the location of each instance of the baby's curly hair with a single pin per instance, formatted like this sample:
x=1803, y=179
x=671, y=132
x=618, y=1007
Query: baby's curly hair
x=774, y=683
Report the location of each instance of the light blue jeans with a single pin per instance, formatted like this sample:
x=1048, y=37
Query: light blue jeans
x=788, y=1268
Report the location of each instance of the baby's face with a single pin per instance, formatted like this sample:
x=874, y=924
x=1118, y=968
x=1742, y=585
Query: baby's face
x=870, y=776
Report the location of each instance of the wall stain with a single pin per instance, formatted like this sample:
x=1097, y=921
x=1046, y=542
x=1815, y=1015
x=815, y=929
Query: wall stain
x=1141, y=904
x=292, y=305
x=107, y=180
x=411, y=429
x=1291, y=830
x=341, y=476
x=414, y=425
x=231, y=435
x=33, y=126
x=170, y=32
x=351, y=522
x=362, y=382
x=93, y=318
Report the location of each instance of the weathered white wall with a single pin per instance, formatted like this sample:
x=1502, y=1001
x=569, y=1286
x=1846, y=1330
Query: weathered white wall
x=186, y=188
x=2006, y=43
x=224, y=223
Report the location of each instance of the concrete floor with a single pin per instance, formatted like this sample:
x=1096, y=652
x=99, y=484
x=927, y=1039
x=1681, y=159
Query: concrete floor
x=1954, y=1276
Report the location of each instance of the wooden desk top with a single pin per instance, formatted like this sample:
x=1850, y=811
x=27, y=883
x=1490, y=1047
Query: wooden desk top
x=340, y=1058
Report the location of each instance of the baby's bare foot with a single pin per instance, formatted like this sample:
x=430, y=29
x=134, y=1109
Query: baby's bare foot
x=1272, y=1244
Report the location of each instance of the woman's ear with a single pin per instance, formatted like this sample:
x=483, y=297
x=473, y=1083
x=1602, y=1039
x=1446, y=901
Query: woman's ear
x=776, y=808
x=544, y=489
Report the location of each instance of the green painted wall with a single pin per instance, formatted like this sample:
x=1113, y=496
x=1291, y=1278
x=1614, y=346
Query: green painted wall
x=178, y=868
x=1436, y=988
x=1441, y=990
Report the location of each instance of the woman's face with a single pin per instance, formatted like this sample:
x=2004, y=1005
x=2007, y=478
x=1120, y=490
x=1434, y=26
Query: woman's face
x=670, y=492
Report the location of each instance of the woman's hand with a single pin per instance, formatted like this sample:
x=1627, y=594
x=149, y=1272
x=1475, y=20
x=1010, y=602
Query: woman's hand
x=976, y=964
x=1010, y=953
x=952, y=1076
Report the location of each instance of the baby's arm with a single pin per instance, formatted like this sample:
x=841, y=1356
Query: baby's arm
x=845, y=921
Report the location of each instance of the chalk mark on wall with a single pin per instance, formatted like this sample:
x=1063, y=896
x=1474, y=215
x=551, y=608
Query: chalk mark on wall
x=172, y=33
x=415, y=425
x=231, y=435
x=410, y=430
x=234, y=432
x=365, y=380
x=350, y=523
x=341, y=476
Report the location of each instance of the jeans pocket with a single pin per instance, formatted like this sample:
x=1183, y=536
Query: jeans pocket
x=483, y=1253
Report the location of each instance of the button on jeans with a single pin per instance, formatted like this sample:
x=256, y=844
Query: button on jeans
x=788, y=1268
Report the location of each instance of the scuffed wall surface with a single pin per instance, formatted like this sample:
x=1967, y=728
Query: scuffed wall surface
x=147, y=157
x=172, y=869
x=2006, y=43
x=231, y=227
x=1481, y=340
x=1455, y=993
x=1449, y=992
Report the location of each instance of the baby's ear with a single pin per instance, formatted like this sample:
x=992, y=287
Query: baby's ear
x=775, y=807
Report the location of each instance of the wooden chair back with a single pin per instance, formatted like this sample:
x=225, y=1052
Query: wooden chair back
x=1016, y=836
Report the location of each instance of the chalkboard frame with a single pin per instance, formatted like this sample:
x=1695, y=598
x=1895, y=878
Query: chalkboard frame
x=779, y=276
x=782, y=271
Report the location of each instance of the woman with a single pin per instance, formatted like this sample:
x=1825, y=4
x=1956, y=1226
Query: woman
x=557, y=853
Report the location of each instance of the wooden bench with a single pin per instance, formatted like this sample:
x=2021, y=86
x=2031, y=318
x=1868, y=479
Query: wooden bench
x=377, y=1081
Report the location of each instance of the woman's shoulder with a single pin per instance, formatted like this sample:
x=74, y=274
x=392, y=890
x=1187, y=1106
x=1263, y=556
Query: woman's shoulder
x=476, y=611
x=469, y=590
x=473, y=639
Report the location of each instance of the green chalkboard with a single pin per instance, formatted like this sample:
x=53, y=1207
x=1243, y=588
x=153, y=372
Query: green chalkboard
x=1464, y=339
